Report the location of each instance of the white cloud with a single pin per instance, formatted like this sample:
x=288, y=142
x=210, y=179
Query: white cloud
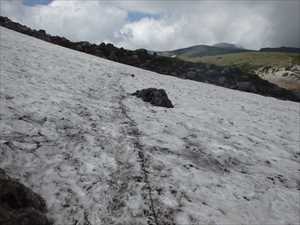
x=180, y=24
x=77, y=20
x=142, y=33
x=204, y=24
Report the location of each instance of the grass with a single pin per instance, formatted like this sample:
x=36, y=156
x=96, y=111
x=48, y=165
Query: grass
x=249, y=60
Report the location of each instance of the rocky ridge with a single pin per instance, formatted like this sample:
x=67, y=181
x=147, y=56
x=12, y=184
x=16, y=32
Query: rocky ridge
x=228, y=77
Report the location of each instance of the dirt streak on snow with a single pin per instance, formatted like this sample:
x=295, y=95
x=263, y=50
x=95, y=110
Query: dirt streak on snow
x=220, y=156
x=71, y=131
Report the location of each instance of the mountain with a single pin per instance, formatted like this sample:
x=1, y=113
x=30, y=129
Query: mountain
x=281, y=49
x=71, y=130
x=227, y=46
x=203, y=50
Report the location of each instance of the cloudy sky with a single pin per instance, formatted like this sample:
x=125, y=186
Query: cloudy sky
x=163, y=25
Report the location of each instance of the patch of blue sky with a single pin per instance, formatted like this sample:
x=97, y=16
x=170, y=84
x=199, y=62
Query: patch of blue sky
x=134, y=16
x=36, y=2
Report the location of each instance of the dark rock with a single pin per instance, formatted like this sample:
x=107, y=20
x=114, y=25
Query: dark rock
x=246, y=198
x=245, y=85
x=19, y=205
x=41, y=34
x=157, y=97
x=3, y=174
x=28, y=216
x=281, y=49
x=113, y=56
x=15, y=195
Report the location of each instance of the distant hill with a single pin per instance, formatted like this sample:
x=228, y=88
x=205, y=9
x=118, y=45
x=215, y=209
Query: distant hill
x=252, y=59
x=227, y=46
x=203, y=50
x=231, y=55
x=281, y=49
x=198, y=53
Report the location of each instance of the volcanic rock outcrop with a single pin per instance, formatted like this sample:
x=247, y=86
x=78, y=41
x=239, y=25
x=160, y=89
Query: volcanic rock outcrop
x=19, y=205
x=157, y=97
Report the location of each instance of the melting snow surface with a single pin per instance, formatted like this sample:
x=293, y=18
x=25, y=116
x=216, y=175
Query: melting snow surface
x=71, y=131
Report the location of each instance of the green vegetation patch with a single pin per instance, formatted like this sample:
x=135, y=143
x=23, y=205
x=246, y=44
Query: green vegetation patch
x=249, y=60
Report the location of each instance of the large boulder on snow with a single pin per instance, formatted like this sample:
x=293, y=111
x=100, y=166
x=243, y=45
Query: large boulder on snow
x=19, y=205
x=157, y=97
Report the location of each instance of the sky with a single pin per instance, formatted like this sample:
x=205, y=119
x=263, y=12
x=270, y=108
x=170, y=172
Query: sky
x=163, y=25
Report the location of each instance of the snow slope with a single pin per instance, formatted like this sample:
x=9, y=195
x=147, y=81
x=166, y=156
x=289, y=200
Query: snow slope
x=71, y=131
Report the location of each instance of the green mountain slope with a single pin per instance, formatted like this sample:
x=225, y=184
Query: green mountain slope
x=250, y=59
x=282, y=69
x=203, y=50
